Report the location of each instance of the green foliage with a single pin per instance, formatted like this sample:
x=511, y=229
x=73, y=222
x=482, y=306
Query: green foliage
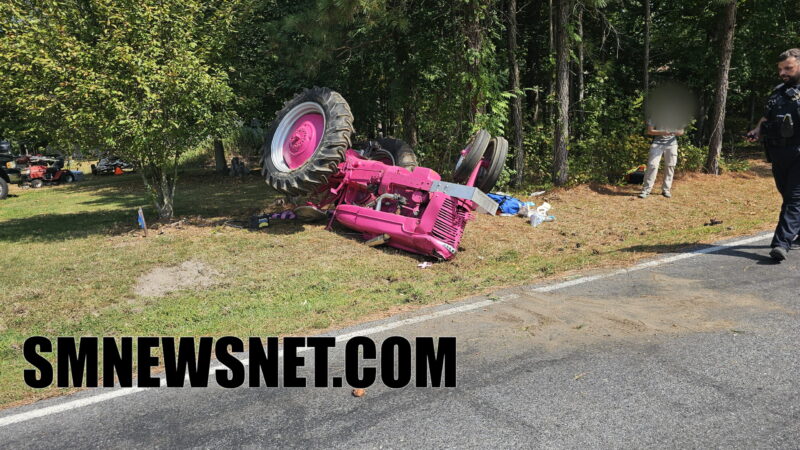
x=137, y=79
x=153, y=79
x=691, y=157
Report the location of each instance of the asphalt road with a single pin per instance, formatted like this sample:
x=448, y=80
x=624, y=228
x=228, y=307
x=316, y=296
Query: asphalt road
x=693, y=352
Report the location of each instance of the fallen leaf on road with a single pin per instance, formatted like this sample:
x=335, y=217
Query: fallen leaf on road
x=359, y=392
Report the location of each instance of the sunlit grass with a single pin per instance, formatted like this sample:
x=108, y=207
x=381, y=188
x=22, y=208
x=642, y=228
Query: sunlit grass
x=72, y=256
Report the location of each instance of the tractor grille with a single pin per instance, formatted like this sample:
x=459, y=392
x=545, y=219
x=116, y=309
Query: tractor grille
x=449, y=225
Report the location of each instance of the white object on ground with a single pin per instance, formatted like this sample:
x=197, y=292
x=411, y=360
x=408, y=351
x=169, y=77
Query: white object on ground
x=540, y=215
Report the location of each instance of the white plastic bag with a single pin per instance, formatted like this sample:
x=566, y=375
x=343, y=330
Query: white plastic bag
x=540, y=215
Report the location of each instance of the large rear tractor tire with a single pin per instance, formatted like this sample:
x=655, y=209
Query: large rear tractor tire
x=307, y=141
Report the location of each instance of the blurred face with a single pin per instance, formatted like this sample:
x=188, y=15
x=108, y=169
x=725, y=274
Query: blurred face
x=789, y=70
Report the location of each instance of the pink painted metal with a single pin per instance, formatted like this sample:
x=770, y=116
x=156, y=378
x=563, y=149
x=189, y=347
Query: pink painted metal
x=303, y=139
x=377, y=199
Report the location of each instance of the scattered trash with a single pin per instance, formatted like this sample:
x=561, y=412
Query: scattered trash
x=712, y=223
x=359, y=392
x=142, y=223
x=581, y=375
x=507, y=205
x=538, y=193
x=540, y=215
x=527, y=209
x=425, y=265
x=262, y=221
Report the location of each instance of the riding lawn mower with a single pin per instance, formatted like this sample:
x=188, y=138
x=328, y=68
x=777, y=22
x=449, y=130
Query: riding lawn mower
x=377, y=190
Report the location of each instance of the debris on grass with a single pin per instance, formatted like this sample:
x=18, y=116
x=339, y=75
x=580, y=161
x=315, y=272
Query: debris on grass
x=712, y=223
x=425, y=265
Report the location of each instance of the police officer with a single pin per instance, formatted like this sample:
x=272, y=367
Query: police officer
x=780, y=131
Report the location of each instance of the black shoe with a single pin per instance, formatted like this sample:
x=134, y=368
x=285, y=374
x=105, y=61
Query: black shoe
x=778, y=253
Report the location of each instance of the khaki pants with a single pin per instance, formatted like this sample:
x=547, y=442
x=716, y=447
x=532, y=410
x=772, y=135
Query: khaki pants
x=670, y=153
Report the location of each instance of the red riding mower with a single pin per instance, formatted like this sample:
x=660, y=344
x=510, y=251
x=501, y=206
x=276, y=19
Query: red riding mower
x=43, y=170
x=377, y=190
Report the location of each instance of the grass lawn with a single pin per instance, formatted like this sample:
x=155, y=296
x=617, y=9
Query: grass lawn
x=72, y=257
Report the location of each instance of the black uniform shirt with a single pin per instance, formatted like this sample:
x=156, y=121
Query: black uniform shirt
x=780, y=102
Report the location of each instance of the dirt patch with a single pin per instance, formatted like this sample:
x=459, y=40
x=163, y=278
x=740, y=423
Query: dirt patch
x=666, y=306
x=163, y=280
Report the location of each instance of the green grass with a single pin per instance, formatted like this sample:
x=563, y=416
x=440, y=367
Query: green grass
x=72, y=256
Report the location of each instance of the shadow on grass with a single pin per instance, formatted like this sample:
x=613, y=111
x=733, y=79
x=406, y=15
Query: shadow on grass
x=199, y=196
x=358, y=238
x=628, y=190
x=692, y=247
x=57, y=227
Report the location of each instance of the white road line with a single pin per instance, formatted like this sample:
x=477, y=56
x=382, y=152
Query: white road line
x=650, y=264
x=16, y=418
x=74, y=404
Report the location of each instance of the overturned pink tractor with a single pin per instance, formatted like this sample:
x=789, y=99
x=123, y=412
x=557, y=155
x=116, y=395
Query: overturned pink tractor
x=377, y=189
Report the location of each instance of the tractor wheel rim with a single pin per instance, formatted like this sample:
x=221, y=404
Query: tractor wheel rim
x=297, y=137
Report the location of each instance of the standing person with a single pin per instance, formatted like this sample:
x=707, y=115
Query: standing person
x=664, y=143
x=780, y=131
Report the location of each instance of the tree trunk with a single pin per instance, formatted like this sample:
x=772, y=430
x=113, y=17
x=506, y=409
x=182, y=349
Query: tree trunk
x=581, y=55
x=219, y=157
x=410, y=123
x=160, y=185
x=718, y=121
x=552, y=46
x=561, y=131
x=516, y=102
x=646, y=69
x=474, y=35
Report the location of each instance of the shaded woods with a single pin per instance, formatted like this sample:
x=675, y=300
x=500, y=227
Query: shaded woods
x=564, y=80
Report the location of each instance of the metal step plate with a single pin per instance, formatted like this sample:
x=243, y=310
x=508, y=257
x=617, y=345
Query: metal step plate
x=483, y=201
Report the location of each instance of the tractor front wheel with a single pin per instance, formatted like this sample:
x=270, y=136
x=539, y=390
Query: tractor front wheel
x=471, y=156
x=494, y=160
